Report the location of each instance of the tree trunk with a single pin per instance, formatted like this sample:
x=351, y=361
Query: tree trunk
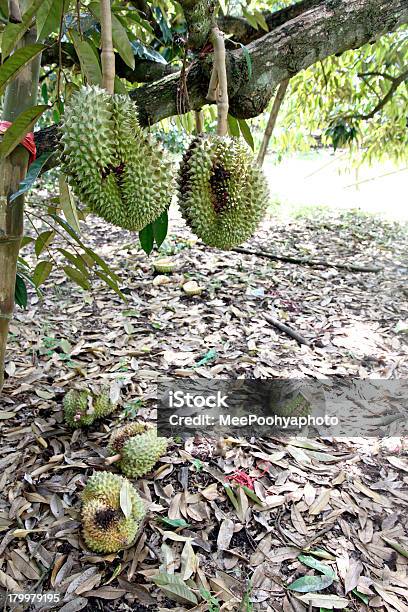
x=20, y=95
x=277, y=103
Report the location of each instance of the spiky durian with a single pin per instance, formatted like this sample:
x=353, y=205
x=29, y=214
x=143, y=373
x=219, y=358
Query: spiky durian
x=296, y=407
x=106, y=528
x=139, y=448
x=122, y=435
x=110, y=162
x=223, y=195
x=82, y=408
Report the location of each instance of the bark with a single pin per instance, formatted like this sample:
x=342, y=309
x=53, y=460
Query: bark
x=277, y=103
x=329, y=27
x=20, y=95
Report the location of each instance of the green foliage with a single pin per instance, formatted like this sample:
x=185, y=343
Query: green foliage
x=328, y=99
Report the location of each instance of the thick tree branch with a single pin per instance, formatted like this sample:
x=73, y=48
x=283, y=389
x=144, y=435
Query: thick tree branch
x=145, y=71
x=329, y=27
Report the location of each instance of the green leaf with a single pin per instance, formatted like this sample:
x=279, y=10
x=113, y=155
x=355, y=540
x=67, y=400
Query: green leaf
x=13, y=32
x=67, y=203
x=119, y=35
x=174, y=522
x=231, y=496
x=75, y=260
x=246, y=132
x=78, y=277
x=14, y=64
x=145, y=52
x=249, y=493
x=111, y=283
x=24, y=123
x=48, y=18
x=102, y=264
x=20, y=292
x=160, y=227
x=32, y=175
x=42, y=272
x=247, y=59
x=310, y=584
x=175, y=588
x=146, y=237
x=88, y=59
x=233, y=126
x=361, y=596
x=317, y=565
x=43, y=241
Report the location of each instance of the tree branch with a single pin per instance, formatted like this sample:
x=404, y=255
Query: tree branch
x=396, y=82
x=331, y=27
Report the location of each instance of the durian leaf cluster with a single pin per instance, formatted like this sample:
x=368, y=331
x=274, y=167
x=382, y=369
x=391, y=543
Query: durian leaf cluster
x=83, y=407
x=112, y=511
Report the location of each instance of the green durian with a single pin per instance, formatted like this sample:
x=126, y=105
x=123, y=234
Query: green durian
x=112, y=165
x=298, y=406
x=139, y=448
x=223, y=194
x=82, y=408
x=122, y=435
x=105, y=526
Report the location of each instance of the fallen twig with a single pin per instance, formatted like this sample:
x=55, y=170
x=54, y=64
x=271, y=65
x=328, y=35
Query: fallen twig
x=304, y=261
x=287, y=330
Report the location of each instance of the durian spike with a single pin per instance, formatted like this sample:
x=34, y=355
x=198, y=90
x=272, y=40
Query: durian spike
x=107, y=55
x=218, y=42
x=113, y=459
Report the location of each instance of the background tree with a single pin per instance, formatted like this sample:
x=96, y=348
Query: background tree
x=163, y=60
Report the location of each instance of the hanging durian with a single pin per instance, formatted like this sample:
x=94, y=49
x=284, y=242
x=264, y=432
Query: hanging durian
x=105, y=499
x=136, y=447
x=223, y=194
x=83, y=407
x=110, y=162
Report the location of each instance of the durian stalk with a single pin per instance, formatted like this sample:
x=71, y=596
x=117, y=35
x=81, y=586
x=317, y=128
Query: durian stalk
x=113, y=459
x=108, y=55
x=199, y=121
x=222, y=90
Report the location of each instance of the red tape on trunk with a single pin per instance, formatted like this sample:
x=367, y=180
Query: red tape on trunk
x=27, y=142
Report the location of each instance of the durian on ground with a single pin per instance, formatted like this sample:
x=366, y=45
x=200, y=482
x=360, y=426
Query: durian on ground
x=223, y=194
x=114, y=168
x=137, y=447
x=83, y=407
x=106, y=527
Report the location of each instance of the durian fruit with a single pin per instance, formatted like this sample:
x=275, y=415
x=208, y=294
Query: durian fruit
x=298, y=406
x=164, y=265
x=111, y=164
x=82, y=408
x=137, y=447
x=223, y=194
x=106, y=527
x=192, y=288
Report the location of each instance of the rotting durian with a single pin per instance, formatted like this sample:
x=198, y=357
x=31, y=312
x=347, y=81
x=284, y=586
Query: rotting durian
x=111, y=164
x=82, y=408
x=164, y=265
x=223, y=194
x=138, y=448
x=105, y=526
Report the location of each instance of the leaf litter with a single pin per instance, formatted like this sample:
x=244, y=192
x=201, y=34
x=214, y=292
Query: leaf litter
x=318, y=523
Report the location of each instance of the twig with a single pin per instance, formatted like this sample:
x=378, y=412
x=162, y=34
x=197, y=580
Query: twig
x=108, y=55
x=277, y=103
x=14, y=11
x=304, y=261
x=287, y=330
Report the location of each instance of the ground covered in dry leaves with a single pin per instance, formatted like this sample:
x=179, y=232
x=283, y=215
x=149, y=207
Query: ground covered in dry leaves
x=330, y=514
